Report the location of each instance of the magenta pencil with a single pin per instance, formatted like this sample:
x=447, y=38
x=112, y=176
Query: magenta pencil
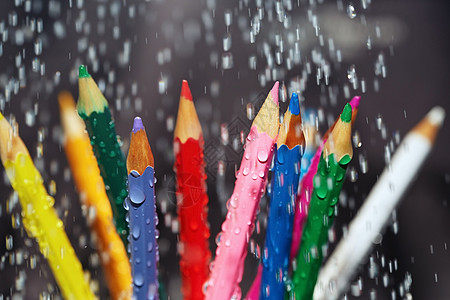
x=228, y=266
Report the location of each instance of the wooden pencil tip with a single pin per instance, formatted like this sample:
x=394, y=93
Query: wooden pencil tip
x=354, y=103
x=294, y=105
x=274, y=92
x=138, y=125
x=185, y=91
x=82, y=72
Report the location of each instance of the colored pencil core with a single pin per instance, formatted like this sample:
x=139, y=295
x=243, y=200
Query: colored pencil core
x=274, y=92
x=355, y=102
x=294, y=106
x=137, y=124
x=185, y=91
x=82, y=72
x=346, y=115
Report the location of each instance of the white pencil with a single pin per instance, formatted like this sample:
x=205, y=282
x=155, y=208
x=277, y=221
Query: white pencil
x=374, y=214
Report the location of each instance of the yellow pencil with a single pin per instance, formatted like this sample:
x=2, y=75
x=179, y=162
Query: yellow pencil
x=90, y=185
x=39, y=217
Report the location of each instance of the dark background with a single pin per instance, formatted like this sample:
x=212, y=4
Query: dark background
x=414, y=42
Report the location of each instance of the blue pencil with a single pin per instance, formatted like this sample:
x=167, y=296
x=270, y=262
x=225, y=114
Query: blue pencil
x=142, y=216
x=282, y=205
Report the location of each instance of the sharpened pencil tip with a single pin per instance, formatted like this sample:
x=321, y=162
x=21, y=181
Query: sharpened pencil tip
x=137, y=124
x=354, y=103
x=346, y=115
x=436, y=115
x=274, y=92
x=186, y=91
x=294, y=105
x=82, y=72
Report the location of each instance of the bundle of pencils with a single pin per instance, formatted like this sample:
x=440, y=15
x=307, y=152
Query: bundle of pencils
x=192, y=200
x=93, y=109
x=92, y=192
x=39, y=217
x=249, y=187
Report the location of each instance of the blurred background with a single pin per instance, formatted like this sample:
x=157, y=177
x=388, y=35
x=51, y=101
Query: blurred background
x=394, y=54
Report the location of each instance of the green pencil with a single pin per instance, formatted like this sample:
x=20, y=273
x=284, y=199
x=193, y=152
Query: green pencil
x=93, y=109
x=328, y=181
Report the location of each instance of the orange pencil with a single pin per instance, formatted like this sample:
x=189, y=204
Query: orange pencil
x=90, y=185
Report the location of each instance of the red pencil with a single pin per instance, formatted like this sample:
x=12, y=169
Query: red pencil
x=192, y=199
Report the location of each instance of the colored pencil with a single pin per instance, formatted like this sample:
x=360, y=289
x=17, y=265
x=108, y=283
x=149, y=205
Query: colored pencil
x=286, y=174
x=377, y=208
x=91, y=188
x=243, y=204
x=39, y=217
x=192, y=200
x=306, y=185
x=142, y=217
x=337, y=153
x=93, y=109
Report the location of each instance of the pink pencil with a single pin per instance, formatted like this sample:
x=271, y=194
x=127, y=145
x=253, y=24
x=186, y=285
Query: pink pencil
x=306, y=187
x=249, y=187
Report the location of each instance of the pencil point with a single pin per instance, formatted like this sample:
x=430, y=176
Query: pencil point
x=185, y=91
x=294, y=105
x=436, y=115
x=346, y=115
x=82, y=72
x=137, y=124
x=355, y=102
x=274, y=92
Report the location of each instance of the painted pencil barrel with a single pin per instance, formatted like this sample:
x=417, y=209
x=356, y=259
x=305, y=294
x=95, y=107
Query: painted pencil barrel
x=42, y=223
x=275, y=255
x=143, y=219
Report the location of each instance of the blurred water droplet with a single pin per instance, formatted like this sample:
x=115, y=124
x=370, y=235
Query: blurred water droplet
x=351, y=11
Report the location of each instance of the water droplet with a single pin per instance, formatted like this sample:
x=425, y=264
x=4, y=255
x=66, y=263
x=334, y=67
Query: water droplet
x=245, y=171
x=136, y=195
x=351, y=11
x=263, y=155
x=150, y=247
x=138, y=279
x=136, y=232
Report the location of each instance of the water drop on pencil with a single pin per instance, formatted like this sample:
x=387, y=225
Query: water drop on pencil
x=138, y=279
x=136, y=232
x=137, y=196
x=150, y=247
x=263, y=156
x=261, y=174
x=245, y=171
